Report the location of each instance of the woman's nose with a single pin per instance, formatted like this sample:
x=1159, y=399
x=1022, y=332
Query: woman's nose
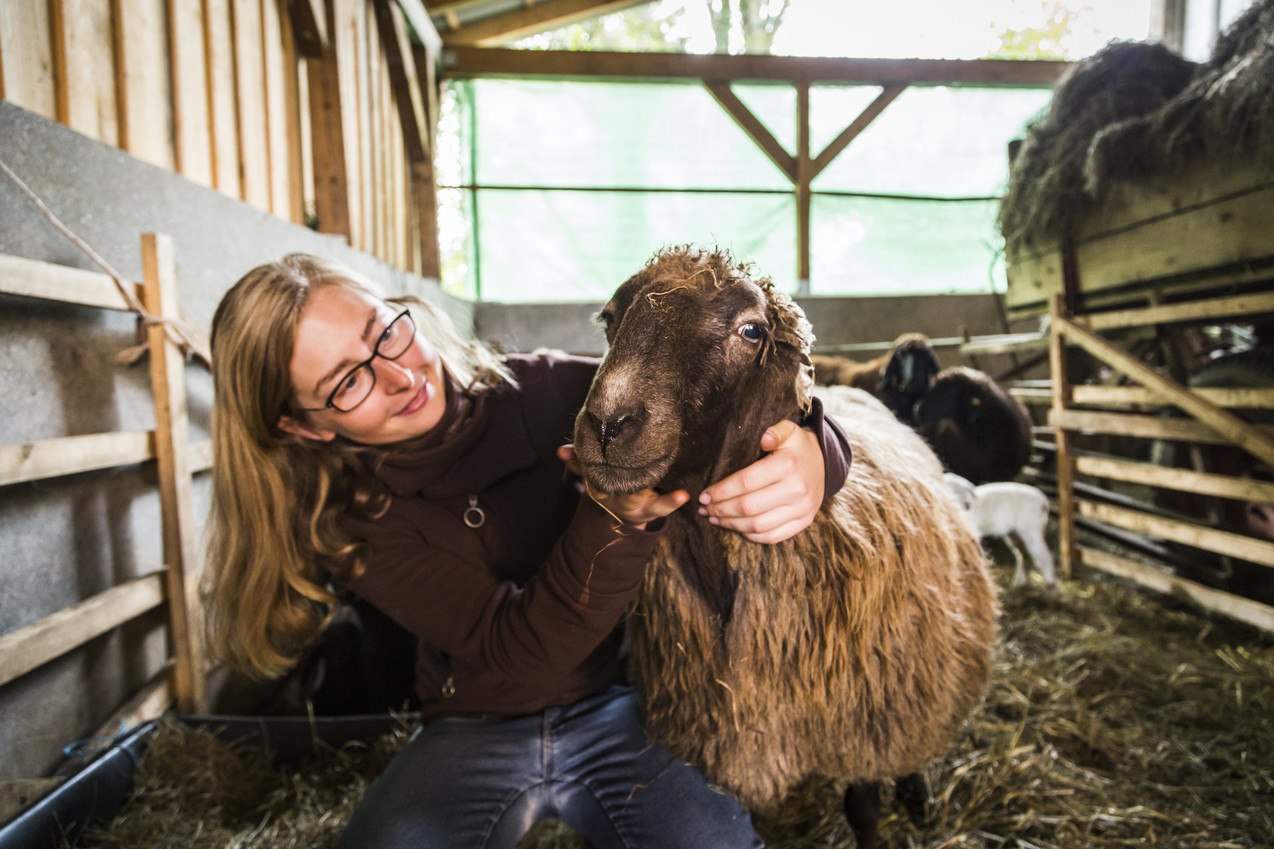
x=395, y=377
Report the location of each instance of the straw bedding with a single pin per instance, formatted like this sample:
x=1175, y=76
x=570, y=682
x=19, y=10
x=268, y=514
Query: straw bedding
x=1113, y=720
x=1136, y=109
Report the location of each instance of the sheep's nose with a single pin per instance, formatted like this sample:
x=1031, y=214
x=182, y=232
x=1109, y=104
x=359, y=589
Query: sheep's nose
x=608, y=429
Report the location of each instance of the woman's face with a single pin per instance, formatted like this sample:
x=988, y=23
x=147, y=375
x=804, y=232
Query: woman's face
x=338, y=329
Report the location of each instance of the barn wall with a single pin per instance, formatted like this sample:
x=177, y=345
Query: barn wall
x=66, y=539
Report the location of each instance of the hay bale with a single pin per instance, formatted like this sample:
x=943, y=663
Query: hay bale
x=1136, y=110
x=1047, y=192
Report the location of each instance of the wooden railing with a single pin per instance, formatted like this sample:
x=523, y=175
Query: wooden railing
x=1125, y=411
x=174, y=583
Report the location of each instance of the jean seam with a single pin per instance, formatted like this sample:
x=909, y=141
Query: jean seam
x=504, y=809
x=619, y=831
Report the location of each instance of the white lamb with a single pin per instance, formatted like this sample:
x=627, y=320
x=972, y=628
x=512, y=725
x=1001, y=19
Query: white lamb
x=1007, y=510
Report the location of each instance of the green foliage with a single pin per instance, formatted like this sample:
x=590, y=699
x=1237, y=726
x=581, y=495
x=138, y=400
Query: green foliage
x=1046, y=41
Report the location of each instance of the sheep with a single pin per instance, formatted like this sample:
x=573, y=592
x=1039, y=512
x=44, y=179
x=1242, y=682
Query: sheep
x=1009, y=510
x=978, y=430
x=855, y=649
x=897, y=378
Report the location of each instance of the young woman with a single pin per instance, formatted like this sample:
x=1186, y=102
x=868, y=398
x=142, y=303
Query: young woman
x=362, y=447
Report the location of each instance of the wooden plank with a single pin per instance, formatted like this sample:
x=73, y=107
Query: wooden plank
x=327, y=146
x=146, y=704
x=406, y=93
x=31, y=278
x=1235, y=429
x=308, y=26
x=466, y=62
x=1236, y=607
x=1137, y=396
x=223, y=113
x=362, y=192
x=278, y=127
x=753, y=127
x=1186, y=533
x=172, y=450
x=426, y=203
x=1004, y=343
x=144, y=81
x=804, y=174
x=1147, y=427
x=1064, y=457
x=68, y=455
x=84, y=56
x=532, y=18
x=295, y=131
x=36, y=644
x=201, y=456
x=1212, y=309
x=887, y=96
x=26, y=57
x=1182, y=480
x=254, y=154
x=188, y=64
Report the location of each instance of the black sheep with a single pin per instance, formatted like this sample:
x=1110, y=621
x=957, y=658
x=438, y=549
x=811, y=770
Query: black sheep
x=976, y=428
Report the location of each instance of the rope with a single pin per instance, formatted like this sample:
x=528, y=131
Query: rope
x=181, y=333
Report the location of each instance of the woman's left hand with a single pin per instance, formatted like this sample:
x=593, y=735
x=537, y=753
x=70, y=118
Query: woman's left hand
x=777, y=496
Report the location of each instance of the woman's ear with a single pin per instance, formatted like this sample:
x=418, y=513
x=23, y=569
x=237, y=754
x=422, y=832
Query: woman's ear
x=287, y=424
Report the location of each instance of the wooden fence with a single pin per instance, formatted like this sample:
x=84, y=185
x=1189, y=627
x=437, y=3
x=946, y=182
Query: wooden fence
x=174, y=584
x=318, y=111
x=1133, y=414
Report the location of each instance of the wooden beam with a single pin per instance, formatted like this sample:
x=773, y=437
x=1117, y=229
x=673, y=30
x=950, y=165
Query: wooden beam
x=804, y=176
x=1064, y=458
x=1186, y=533
x=1238, y=431
x=168, y=384
x=463, y=61
x=309, y=26
x=1138, y=396
x=421, y=25
x=1212, y=309
x=70, y=455
x=49, y=638
x=528, y=20
x=1243, y=609
x=396, y=61
x=755, y=129
x=45, y=280
x=887, y=96
x=1182, y=480
x=327, y=133
x=1146, y=427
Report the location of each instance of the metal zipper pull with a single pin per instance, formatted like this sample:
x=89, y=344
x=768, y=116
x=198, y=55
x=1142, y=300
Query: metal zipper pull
x=474, y=516
x=449, y=687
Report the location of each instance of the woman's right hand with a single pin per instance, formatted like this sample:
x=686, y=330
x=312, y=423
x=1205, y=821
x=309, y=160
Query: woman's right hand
x=636, y=508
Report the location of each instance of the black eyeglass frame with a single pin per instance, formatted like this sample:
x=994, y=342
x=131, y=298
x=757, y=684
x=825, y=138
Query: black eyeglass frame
x=330, y=404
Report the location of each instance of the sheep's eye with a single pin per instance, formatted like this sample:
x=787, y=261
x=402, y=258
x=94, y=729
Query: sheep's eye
x=605, y=318
x=752, y=332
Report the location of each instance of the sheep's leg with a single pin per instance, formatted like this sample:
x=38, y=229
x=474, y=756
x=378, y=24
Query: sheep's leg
x=1040, y=555
x=912, y=792
x=1019, y=566
x=862, y=809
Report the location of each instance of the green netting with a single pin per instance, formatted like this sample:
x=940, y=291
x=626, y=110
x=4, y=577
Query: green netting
x=578, y=246
x=542, y=164
x=593, y=134
x=937, y=141
x=872, y=246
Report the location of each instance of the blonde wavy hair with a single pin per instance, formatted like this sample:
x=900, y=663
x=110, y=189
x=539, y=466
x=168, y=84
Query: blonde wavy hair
x=276, y=550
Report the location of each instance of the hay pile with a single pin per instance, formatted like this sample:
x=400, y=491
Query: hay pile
x=1134, y=110
x=1113, y=720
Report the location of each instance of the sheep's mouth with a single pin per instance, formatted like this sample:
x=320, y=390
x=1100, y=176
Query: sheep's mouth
x=622, y=480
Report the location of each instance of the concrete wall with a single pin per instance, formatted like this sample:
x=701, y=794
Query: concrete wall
x=67, y=539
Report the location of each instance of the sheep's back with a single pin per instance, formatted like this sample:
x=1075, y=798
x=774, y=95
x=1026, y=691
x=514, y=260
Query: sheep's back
x=855, y=650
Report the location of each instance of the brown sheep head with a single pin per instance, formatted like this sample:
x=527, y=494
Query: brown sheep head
x=703, y=358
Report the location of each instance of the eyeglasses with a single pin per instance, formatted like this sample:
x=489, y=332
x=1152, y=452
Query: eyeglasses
x=356, y=384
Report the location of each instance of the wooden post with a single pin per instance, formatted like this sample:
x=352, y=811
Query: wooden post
x=331, y=181
x=1065, y=462
x=804, y=176
x=172, y=457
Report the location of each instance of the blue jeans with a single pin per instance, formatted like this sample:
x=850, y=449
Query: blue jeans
x=482, y=784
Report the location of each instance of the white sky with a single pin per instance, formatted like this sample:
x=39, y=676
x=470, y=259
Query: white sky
x=948, y=29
